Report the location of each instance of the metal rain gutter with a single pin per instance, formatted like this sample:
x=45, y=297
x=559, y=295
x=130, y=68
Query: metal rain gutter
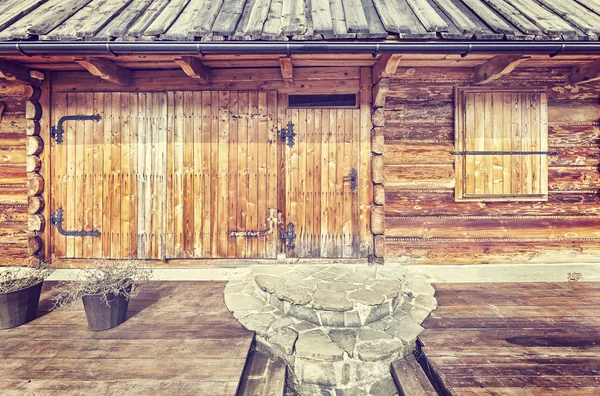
x=116, y=48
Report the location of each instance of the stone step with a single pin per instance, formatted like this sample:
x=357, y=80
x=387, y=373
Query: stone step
x=410, y=378
x=263, y=375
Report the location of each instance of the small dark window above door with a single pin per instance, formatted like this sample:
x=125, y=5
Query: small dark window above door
x=331, y=100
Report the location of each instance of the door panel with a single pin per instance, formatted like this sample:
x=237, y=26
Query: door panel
x=109, y=175
x=320, y=201
x=222, y=175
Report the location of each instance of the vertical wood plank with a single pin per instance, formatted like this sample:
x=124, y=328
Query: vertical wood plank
x=133, y=166
x=115, y=211
x=301, y=226
x=187, y=140
x=252, y=196
x=143, y=203
x=339, y=182
x=347, y=231
x=78, y=199
x=70, y=199
x=126, y=215
x=223, y=164
x=516, y=178
x=506, y=142
x=59, y=185
x=262, y=153
x=98, y=170
x=325, y=155
x=107, y=188
x=162, y=188
x=309, y=176
x=496, y=170
x=470, y=169
x=526, y=142
x=171, y=229
x=233, y=178
x=543, y=117
x=242, y=182
x=354, y=162
x=272, y=171
x=198, y=199
x=332, y=198
x=316, y=137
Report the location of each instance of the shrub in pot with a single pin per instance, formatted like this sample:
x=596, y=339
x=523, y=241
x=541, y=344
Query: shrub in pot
x=20, y=289
x=105, y=289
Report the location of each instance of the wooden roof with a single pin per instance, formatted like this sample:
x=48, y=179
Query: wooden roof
x=104, y=20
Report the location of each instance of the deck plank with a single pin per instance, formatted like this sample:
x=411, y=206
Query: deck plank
x=515, y=339
x=179, y=339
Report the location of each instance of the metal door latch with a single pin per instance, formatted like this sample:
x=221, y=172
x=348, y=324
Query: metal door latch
x=353, y=175
x=56, y=132
x=57, y=219
x=288, y=235
x=288, y=134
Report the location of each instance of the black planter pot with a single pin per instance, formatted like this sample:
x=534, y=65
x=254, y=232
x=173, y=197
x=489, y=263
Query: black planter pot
x=103, y=316
x=19, y=307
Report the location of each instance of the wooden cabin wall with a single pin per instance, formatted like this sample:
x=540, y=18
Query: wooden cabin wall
x=423, y=223
x=18, y=155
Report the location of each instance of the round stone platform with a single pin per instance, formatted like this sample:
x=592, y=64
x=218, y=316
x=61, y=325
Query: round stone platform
x=338, y=326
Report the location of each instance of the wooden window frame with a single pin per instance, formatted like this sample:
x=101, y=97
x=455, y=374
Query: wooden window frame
x=356, y=105
x=460, y=146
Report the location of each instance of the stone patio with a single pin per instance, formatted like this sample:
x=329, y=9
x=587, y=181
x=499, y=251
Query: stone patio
x=338, y=327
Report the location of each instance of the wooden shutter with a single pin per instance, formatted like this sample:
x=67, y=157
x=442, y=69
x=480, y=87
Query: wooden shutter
x=501, y=144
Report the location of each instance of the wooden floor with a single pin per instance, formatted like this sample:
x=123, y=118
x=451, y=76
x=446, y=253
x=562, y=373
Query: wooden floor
x=179, y=340
x=515, y=339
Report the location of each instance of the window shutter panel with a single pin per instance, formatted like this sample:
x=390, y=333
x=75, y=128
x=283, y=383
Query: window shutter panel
x=501, y=143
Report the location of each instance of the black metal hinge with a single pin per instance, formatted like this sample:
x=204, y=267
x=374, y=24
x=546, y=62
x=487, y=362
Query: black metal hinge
x=288, y=134
x=353, y=183
x=288, y=235
x=56, y=132
x=57, y=219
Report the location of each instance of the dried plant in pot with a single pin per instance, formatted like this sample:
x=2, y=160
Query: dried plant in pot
x=105, y=289
x=20, y=289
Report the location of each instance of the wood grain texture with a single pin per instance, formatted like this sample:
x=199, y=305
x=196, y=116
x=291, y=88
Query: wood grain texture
x=420, y=175
x=183, y=356
x=512, y=338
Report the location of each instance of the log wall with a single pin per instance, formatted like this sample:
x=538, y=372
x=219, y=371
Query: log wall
x=423, y=223
x=15, y=244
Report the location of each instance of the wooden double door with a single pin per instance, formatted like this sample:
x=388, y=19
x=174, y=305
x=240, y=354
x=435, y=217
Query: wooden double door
x=201, y=174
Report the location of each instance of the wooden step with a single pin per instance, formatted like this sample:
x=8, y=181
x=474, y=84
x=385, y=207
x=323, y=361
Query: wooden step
x=263, y=376
x=410, y=378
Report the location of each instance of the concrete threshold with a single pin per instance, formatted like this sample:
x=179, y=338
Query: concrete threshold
x=555, y=272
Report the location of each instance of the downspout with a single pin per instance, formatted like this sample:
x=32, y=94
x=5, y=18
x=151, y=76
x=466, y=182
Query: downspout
x=115, y=48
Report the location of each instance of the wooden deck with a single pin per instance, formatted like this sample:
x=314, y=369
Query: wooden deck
x=515, y=339
x=179, y=340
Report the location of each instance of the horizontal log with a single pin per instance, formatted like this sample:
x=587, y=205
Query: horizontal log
x=566, y=113
x=573, y=135
x=35, y=184
x=33, y=164
x=378, y=169
x=308, y=80
x=13, y=139
x=9, y=89
x=377, y=141
x=420, y=177
x=441, y=90
x=575, y=156
x=405, y=153
x=36, y=223
x=35, y=145
x=13, y=157
x=428, y=132
x=13, y=254
x=34, y=245
x=15, y=230
x=12, y=214
x=378, y=117
x=35, y=204
x=13, y=195
x=441, y=74
x=418, y=203
x=13, y=175
x=14, y=104
x=378, y=194
x=33, y=110
x=403, y=111
x=492, y=227
x=33, y=128
x=13, y=122
x=377, y=220
x=379, y=246
x=455, y=252
x=568, y=179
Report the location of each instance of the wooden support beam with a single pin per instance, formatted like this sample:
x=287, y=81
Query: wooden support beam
x=585, y=72
x=380, y=91
x=386, y=66
x=287, y=70
x=17, y=73
x=497, y=67
x=106, y=70
x=193, y=67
